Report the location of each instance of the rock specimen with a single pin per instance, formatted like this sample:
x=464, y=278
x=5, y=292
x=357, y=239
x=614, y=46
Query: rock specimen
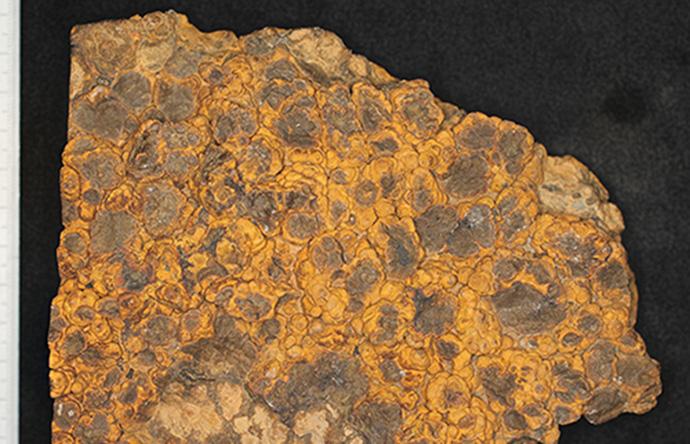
x=268, y=239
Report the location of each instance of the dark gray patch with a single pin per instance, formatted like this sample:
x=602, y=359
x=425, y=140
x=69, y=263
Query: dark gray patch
x=478, y=136
x=362, y=278
x=281, y=69
x=613, y=275
x=316, y=73
x=452, y=397
x=342, y=119
x=135, y=278
x=85, y=313
x=401, y=252
x=328, y=254
x=499, y=385
x=332, y=378
x=254, y=306
x=365, y=193
x=153, y=114
x=275, y=93
x=178, y=164
x=339, y=176
x=433, y=314
x=507, y=268
x=378, y=422
x=387, y=184
x=226, y=356
x=262, y=209
x=112, y=378
x=421, y=199
x=277, y=270
x=212, y=269
x=390, y=370
x=302, y=226
x=452, y=115
x=56, y=327
x=191, y=319
x=134, y=89
x=83, y=145
x=146, y=358
x=97, y=399
x=92, y=196
x=513, y=224
x=270, y=329
x=337, y=210
x=224, y=326
x=73, y=345
x=296, y=199
x=589, y=324
x=101, y=170
x=92, y=357
x=234, y=122
x=108, y=307
x=599, y=361
x=514, y=420
x=183, y=63
x=525, y=310
x=478, y=222
x=297, y=128
x=475, y=230
x=161, y=208
x=387, y=324
x=419, y=109
x=435, y=226
x=260, y=43
x=94, y=431
x=506, y=205
x=372, y=113
x=510, y=148
x=571, y=339
x=447, y=350
x=541, y=275
x=636, y=371
x=144, y=158
x=111, y=230
x=212, y=238
x=175, y=101
x=66, y=414
x=563, y=415
x=388, y=145
x=213, y=158
x=572, y=381
x=261, y=156
x=74, y=242
x=466, y=177
x=580, y=254
x=128, y=394
x=159, y=330
x=605, y=404
x=224, y=295
x=105, y=118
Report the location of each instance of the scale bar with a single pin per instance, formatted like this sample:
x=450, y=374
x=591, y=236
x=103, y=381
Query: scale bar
x=9, y=221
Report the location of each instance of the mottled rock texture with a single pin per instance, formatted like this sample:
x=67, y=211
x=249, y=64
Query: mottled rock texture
x=269, y=239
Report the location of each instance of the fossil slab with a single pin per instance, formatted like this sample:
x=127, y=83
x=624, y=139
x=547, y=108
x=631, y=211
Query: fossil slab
x=269, y=239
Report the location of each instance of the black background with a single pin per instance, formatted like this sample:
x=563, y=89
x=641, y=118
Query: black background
x=608, y=82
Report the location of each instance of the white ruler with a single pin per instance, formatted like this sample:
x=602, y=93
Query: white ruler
x=9, y=221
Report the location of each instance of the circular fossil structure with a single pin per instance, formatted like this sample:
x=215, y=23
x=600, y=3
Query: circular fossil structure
x=269, y=239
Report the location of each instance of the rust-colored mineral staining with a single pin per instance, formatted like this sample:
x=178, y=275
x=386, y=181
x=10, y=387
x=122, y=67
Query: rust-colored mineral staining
x=269, y=239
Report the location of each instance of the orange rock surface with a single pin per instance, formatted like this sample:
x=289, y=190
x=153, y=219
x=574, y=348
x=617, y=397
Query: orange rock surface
x=269, y=239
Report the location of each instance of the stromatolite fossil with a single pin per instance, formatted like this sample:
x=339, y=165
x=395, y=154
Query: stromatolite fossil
x=268, y=239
